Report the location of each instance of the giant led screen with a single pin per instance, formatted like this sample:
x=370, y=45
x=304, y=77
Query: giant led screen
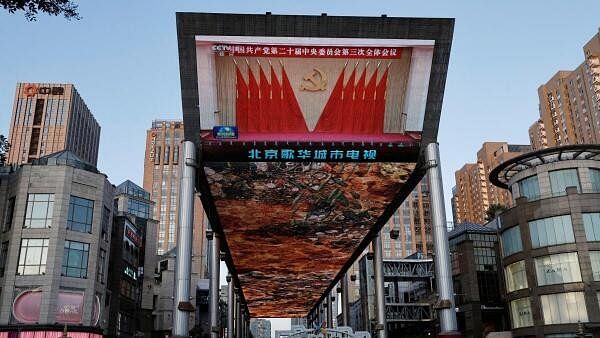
x=328, y=134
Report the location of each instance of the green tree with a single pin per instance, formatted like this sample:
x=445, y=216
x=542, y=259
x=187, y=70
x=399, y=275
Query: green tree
x=66, y=8
x=4, y=148
x=490, y=213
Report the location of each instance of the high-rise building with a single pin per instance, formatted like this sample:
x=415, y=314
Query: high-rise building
x=161, y=179
x=410, y=225
x=48, y=118
x=474, y=194
x=570, y=104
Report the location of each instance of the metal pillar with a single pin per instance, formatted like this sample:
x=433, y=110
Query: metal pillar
x=443, y=272
x=239, y=320
x=183, y=260
x=345, y=298
x=329, y=310
x=381, y=326
x=215, y=253
x=230, y=307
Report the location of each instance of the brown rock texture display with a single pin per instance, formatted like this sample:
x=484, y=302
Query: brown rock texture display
x=291, y=227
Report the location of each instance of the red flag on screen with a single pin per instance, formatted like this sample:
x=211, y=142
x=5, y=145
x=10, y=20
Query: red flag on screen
x=276, y=103
x=293, y=118
x=368, y=104
x=380, y=96
x=265, y=102
x=241, y=100
x=331, y=119
x=253, y=103
x=348, y=103
x=357, y=109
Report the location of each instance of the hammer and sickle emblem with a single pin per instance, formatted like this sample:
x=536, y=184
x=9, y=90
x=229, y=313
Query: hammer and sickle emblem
x=314, y=81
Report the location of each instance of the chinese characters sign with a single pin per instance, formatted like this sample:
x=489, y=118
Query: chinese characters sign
x=316, y=155
x=308, y=51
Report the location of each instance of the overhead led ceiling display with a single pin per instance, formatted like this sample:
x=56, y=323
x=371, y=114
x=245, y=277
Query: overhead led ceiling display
x=324, y=139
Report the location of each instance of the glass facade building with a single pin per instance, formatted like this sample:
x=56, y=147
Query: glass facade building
x=551, y=274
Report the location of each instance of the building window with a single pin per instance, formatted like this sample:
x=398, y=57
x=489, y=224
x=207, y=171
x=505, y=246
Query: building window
x=32, y=256
x=516, y=276
x=558, y=269
x=75, y=259
x=138, y=208
x=595, y=178
x=591, y=222
x=561, y=179
x=511, y=241
x=101, y=266
x=3, y=257
x=39, y=211
x=529, y=188
x=8, y=215
x=563, y=308
x=81, y=212
x=105, y=223
x=520, y=311
x=551, y=231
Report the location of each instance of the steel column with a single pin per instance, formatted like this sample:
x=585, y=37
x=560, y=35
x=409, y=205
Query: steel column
x=236, y=331
x=443, y=272
x=329, y=310
x=230, y=307
x=239, y=319
x=379, y=290
x=215, y=261
x=183, y=260
x=345, y=298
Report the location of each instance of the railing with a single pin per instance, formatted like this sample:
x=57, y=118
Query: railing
x=339, y=332
x=408, y=268
x=408, y=312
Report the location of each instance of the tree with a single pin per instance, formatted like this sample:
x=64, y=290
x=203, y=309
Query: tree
x=66, y=8
x=493, y=209
x=4, y=148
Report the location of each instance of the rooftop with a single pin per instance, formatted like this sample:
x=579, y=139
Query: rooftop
x=459, y=229
x=68, y=158
x=502, y=174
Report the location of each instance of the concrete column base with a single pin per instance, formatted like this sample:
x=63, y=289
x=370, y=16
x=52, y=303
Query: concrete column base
x=450, y=334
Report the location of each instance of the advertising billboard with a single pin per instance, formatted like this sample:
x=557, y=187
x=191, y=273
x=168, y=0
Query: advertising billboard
x=307, y=142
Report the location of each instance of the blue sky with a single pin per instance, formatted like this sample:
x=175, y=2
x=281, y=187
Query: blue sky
x=122, y=57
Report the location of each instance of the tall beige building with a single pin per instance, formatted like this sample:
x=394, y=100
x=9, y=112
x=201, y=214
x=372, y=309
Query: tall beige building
x=473, y=193
x=48, y=118
x=161, y=179
x=570, y=104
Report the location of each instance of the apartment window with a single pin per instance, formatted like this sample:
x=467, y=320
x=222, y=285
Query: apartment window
x=561, y=179
x=516, y=276
x=511, y=241
x=75, y=259
x=101, y=266
x=595, y=178
x=32, y=256
x=175, y=154
x=530, y=188
x=8, y=215
x=564, y=308
x=551, y=231
x=39, y=211
x=157, y=155
x=81, y=211
x=3, y=257
x=558, y=269
x=520, y=311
